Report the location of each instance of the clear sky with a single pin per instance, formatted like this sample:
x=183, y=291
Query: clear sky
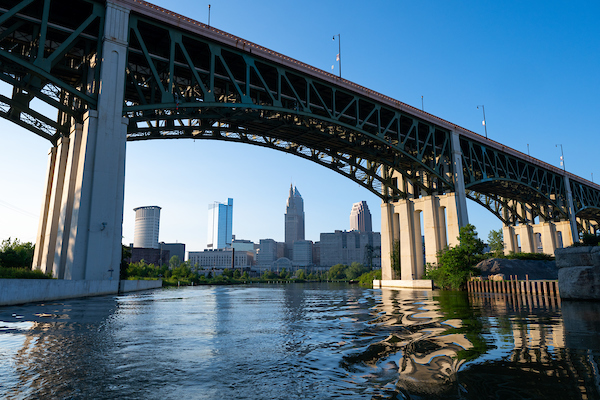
x=535, y=65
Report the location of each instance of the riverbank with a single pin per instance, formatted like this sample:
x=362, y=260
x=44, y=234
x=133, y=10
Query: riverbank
x=22, y=291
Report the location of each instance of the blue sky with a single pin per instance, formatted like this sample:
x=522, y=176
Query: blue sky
x=534, y=65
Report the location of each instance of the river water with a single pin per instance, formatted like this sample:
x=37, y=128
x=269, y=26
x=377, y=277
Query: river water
x=296, y=341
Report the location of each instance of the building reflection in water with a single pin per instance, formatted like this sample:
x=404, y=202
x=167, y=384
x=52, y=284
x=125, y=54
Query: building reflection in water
x=53, y=351
x=453, y=345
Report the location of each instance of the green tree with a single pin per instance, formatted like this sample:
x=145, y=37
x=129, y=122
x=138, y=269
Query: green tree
x=367, y=278
x=355, y=270
x=245, y=275
x=125, y=256
x=456, y=265
x=227, y=273
x=174, y=262
x=269, y=275
x=496, y=242
x=337, y=272
x=300, y=274
x=237, y=274
x=14, y=254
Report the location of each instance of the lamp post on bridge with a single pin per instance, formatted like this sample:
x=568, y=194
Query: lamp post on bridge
x=562, y=157
x=339, y=55
x=483, y=122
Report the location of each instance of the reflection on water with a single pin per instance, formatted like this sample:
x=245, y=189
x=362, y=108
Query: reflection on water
x=313, y=341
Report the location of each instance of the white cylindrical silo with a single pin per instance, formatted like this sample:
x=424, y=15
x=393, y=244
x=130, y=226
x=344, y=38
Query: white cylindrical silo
x=147, y=220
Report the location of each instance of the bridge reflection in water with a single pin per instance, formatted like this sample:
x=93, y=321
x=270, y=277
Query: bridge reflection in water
x=454, y=345
x=301, y=341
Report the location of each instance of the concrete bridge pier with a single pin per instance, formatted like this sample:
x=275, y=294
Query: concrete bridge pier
x=80, y=230
x=442, y=217
x=547, y=235
x=419, y=228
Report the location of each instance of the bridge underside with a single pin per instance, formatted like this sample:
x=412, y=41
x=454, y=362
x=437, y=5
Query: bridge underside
x=181, y=79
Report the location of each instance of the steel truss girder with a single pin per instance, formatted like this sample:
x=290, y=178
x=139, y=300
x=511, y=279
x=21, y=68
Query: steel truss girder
x=359, y=170
x=586, y=201
x=184, y=83
x=510, y=211
x=499, y=175
x=500, y=181
x=47, y=51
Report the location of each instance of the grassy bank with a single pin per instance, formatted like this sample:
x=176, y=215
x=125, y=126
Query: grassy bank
x=22, y=273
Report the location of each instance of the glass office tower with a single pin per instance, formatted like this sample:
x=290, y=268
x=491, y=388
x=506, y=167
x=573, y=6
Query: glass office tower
x=220, y=222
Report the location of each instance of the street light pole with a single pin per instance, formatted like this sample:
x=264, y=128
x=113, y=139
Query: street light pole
x=209, y=15
x=339, y=56
x=562, y=157
x=484, y=123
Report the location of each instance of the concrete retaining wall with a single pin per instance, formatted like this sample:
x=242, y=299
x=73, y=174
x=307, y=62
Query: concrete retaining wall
x=21, y=291
x=404, y=284
x=134, y=286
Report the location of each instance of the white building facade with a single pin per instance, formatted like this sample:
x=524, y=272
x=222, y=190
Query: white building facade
x=147, y=221
x=221, y=258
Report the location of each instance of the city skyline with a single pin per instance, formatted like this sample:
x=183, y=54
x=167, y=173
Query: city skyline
x=533, y=65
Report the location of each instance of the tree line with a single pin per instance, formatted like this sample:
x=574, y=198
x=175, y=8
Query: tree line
x=177, y=272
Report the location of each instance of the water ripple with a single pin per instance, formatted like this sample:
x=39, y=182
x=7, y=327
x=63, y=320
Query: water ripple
x=294, y=341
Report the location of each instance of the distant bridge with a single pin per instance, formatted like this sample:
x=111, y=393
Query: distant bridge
x=119, y=70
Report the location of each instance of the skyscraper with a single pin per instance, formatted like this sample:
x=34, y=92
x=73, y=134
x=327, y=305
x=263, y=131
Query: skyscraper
x=294, y=218
x=360, y=217
x=220, y=221
x=147, y=220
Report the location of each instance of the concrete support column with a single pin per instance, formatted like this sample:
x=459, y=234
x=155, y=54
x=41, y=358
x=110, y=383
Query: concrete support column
x=98, y=213
x=548, y=237
x=510, y=241
x=62, y=250
x=80, y=230
x=459, y=182
x=431, y=226
x=525, y=232
x=387, y=240
x=564, y=227
x=419, y=261
x=571, y=210
x=408, y=245
x=452, y=223
x=41, y=246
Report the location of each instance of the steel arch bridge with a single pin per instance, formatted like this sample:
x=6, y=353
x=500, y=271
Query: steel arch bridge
x=184, y=79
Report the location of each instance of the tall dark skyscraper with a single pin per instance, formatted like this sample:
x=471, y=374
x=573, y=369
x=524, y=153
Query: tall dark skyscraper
x=294, y=218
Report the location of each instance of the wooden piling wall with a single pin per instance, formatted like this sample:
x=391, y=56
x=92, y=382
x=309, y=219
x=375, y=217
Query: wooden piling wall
x=513, y=286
